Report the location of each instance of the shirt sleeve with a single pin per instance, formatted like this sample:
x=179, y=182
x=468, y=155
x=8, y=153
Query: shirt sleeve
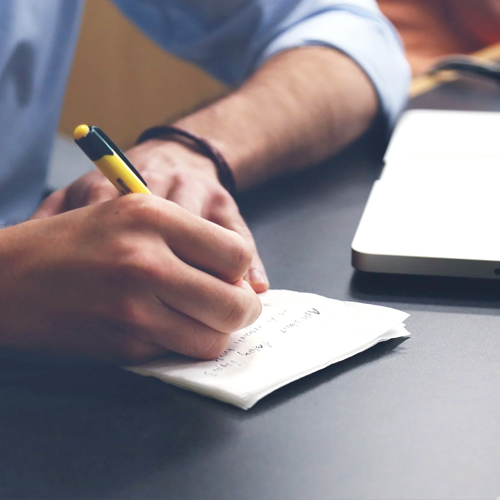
x=230, y=39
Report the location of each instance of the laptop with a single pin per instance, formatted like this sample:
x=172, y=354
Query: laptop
x=435, y=209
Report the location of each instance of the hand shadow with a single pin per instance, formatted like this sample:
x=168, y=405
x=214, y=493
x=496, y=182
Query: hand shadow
x=89, y=431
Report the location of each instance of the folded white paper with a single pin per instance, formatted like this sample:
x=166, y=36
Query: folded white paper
x=296, y=334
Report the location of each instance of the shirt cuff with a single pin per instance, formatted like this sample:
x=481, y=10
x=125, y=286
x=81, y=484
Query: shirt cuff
x=367, y=39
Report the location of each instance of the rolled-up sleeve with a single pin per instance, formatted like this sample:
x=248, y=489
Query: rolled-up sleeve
x=232, y=38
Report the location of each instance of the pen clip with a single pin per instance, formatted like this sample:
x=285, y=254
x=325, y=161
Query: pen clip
x=117, y=151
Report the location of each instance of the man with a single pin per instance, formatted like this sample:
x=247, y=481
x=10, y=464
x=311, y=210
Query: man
x=128, y=279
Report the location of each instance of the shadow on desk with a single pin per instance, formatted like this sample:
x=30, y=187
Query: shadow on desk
x=97, y=431
x=84, y=431
x=434, y=290
x=382, y=350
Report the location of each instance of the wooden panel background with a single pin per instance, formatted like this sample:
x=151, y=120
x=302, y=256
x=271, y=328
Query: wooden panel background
x=123, y=82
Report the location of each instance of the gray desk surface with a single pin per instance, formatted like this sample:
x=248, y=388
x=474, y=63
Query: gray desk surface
x=417, y=419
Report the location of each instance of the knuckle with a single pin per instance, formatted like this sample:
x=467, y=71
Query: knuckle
x=128, y=315
x=236, y=315
x=134, y=248
x=51, y=198
x=131, y=204
x=182, y=179
x=222, y=205
x=134, y=261
x=99, y=191
x=214, y=348
x=223, y=200
x=128, y=258
x=244, y=257
x=138, y=209
x=241, y=254
x=255, y=310
x=134, y=352
x=74, y=197
x=153, y=177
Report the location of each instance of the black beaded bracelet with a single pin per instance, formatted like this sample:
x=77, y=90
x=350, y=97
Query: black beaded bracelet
x=199, y=145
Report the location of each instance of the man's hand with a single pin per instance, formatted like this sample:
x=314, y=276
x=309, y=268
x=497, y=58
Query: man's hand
x=124, y=281
x=175, y=173
x=300, y=107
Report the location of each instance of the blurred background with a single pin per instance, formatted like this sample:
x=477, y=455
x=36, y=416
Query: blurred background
x=125, y=83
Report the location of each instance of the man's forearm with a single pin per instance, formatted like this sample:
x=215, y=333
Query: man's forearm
x=301, y=107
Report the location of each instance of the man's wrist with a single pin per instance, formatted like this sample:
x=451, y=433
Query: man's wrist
x=172, y=155
x=197, y=144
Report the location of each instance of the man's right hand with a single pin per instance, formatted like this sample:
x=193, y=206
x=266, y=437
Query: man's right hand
x=124, y=281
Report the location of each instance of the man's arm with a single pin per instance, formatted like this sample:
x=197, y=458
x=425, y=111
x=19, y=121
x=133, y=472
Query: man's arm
x=301, y=107
x=321, y=71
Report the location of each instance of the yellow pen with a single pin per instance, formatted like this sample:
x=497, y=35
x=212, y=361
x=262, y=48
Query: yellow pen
x=110, y=160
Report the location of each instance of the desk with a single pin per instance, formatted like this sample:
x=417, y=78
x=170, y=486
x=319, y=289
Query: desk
x=414, y=419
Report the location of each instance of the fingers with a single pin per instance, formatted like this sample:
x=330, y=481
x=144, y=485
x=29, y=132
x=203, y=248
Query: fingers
x=256, y=276
x=90, y=189
x=52, y=205
x=183, y=273
x=164, y=329
x=227, y=215
x=198, y=242
x=193, y=272
x=220, y=208
x=222, y=306
x=132, y=296
x=171, y=330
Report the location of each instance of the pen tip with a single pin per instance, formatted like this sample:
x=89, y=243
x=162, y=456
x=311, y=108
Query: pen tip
x=80, y=132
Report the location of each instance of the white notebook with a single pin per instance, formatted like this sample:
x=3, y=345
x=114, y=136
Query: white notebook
x=296, y=334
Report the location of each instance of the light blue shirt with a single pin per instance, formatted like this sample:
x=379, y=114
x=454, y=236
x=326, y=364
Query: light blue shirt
x=228, y=38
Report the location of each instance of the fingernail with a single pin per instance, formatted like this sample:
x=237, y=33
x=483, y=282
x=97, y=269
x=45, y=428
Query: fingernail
x=257, y=276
